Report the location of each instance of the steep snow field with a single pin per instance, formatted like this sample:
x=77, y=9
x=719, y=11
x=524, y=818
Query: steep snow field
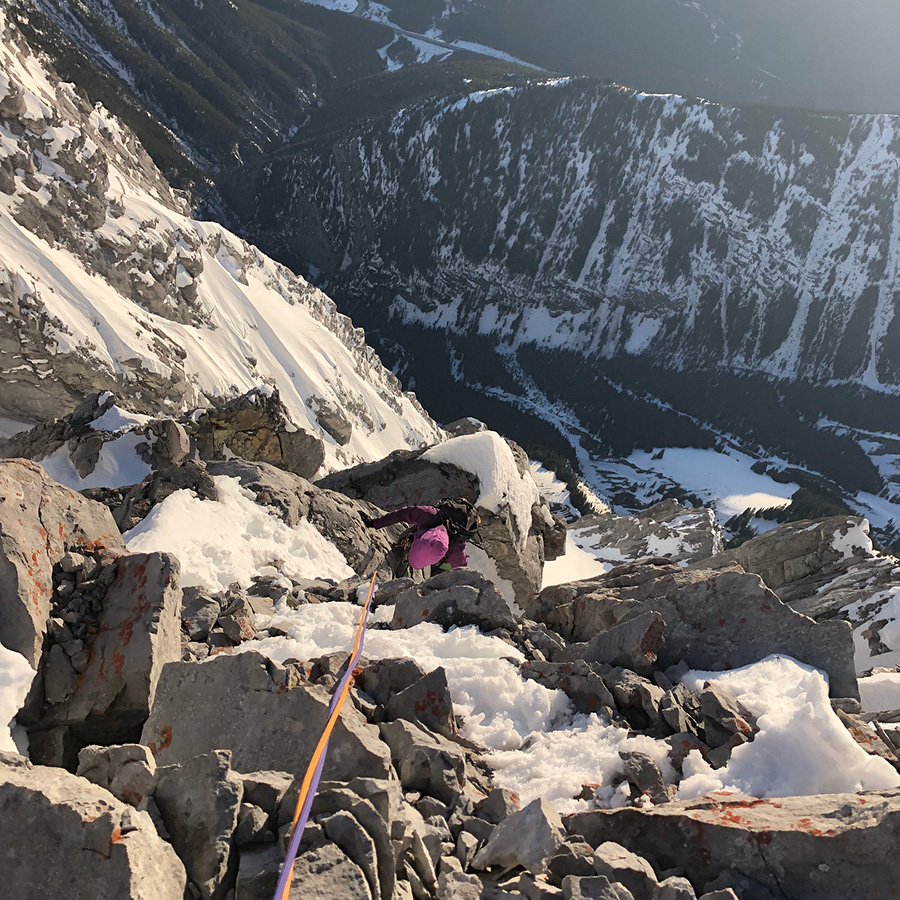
x=187, y=304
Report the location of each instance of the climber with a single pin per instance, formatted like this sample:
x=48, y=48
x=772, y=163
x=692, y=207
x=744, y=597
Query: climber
x=436, y=537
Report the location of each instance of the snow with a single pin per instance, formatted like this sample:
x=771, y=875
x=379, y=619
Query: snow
x=501, y=485
x=230, y=539
x=801, y=748
x=118, y=465
x=724, y=481
x=117, y=419
x=855, y=542
x=484, y=50
x=16, y=676
x=576, y=565
x=880, y=692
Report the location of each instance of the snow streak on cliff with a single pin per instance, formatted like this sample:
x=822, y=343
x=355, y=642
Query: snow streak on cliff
x=107, y=283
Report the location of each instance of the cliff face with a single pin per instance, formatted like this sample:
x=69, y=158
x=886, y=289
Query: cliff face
x=567, y=214
x=108, y=284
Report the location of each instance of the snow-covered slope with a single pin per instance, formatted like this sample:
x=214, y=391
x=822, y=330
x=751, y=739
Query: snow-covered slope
x=107, y=283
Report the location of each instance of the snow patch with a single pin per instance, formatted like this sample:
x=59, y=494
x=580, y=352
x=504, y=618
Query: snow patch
x=232, y=538
x=16, y=676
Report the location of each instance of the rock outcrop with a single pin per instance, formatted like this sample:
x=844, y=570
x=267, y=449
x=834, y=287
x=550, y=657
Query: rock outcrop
x=41, y=521
x=101, y=846
x=830, y=846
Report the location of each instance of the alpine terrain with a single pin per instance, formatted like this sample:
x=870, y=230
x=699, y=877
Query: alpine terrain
x=665, y=668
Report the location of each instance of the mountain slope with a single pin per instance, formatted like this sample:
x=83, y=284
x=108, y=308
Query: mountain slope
x=107, y=283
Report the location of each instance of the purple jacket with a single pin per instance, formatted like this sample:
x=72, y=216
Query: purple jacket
x=425, y=515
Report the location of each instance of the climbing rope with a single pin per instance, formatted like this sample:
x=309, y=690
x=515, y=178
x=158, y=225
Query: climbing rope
x=314, y=769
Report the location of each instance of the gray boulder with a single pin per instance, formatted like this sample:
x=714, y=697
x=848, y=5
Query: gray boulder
x=457, y=597
x=528, y=838
x=100, y=846
x=633, y=644
x=199, y=803
x=127, y=771
x=594, y=887
x=258, y=427
x=680, y=533
x=854, y=834
x=138, y=632
x=621, y=866
x=733, y=619
x=578, y=679
x=258, y=872
x=255, y=708
x=428, y=702
x=426, y=762
x=325, y=872
x=40, y=521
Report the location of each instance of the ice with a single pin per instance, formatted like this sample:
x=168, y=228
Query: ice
x=232, y=539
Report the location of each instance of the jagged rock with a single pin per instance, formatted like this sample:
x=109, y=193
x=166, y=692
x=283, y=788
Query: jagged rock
x=332, y=513
x=682, y=711
x=638, y=699
x=199, y=613
x=101, y=847
x=252, y=826
x=382, y=679
x=528, y=838
x=245, y=703
x=459, y=886
x=425, y=762
x=325, y=872
x=724, y=834
x=674, y=888
x=199, y=802
x=466, y=848
x=670, y=529
x=127, y=771
x=572, y=858
x=499, y=803
x=258, y=872
x=682, y=744
x=407, y=478
x=40, y=521
x=724, y=716
x=457, y=597
x=634, y=644
x=428, y=702
x=621, y=866
x=732, y=620
x=594, y=887
x=724, y=894
x=581, y=609
x=804, y=554
x=266, y=790
x=258, y=427
x=641, y=771
x=139, y=632
x=581, y=684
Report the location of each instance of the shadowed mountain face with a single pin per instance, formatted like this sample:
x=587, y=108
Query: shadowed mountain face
x=626, y=230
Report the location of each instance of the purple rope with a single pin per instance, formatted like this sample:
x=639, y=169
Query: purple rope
x=297, y=833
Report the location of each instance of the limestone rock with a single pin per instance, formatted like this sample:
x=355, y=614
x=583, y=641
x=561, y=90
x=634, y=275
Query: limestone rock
x=633, y=643
x=674, y=888
x=528, y=838
x=199, y=802
x=853, y=833
x=382, y=679
x=670, y=529
x=621, y=866
x=325, y=872
x=428, y=702
x=425, y=762
x=244, y=703
x=258, y=873
x=594, y=887
x=457, y=597
x=101, y=847
x=40, y=521
x=127, y=771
